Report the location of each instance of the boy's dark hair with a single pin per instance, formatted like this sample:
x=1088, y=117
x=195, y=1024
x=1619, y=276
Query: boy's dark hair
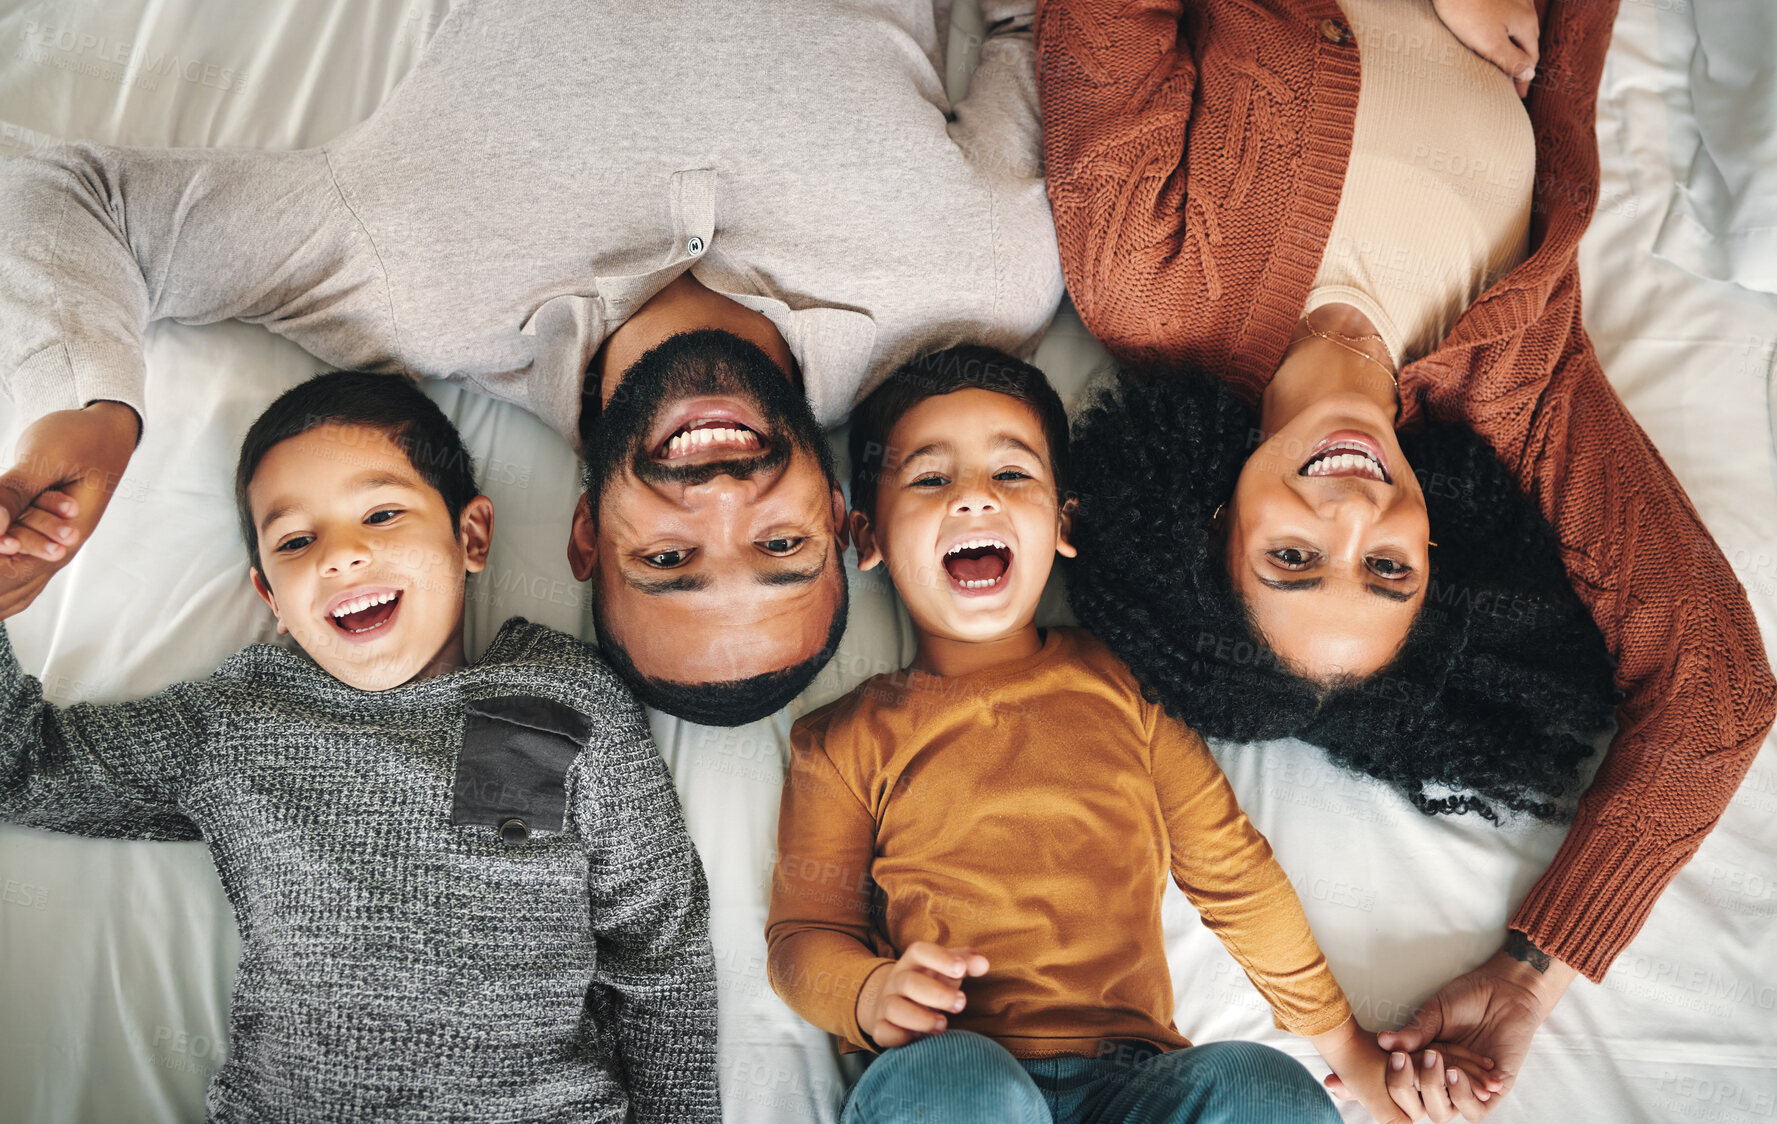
x=389, y=403
x=965, y=367
x=1502, y=678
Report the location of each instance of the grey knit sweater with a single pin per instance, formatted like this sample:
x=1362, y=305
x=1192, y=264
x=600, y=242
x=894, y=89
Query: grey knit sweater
x=408, y=951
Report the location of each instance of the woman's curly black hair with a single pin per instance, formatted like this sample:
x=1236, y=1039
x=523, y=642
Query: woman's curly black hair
x=1502, y=678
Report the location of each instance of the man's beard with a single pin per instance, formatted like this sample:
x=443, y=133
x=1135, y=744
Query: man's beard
x=708, y=361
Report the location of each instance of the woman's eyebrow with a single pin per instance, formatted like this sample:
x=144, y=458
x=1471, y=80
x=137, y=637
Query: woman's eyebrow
x=1391, y=594
x=1290, y=585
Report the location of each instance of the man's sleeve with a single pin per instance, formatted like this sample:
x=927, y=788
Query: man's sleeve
x=96, y=242
x=650, y=910
x=1228, y=871
x=113, y=771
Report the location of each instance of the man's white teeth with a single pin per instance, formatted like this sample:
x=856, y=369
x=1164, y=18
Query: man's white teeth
x=1340, y=463
x=976, y=544
x=695, y=439
x=359, y=604
x=982, y=584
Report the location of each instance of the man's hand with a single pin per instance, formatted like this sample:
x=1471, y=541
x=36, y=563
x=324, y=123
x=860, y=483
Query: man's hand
x=1504, y=32
x=66, y=465
x=912, y=998
x=1493, y=1011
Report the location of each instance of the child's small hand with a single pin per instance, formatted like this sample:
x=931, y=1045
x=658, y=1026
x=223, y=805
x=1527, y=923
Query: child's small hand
x=914, y=996
x=45, y=529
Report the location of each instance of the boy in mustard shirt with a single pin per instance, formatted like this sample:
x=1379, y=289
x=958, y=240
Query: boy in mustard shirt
x=972, y=850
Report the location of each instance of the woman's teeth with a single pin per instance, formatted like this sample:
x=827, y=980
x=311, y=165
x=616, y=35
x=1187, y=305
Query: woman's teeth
x=1345, y=464
x=359, y=604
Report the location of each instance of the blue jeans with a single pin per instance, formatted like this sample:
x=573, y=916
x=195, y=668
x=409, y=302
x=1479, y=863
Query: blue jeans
x=963, y=1078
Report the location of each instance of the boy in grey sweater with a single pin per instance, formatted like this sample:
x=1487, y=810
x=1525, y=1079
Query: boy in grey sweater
x=463, y=890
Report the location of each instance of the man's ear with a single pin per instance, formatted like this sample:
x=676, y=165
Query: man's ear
x=266, y=595
x=583, y=541
x=1064, y=536
x=475, y=531
x=865, y=537
x=840, y=525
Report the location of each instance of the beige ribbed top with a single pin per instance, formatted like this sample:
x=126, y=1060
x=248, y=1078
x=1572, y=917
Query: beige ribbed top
x=1436, y=203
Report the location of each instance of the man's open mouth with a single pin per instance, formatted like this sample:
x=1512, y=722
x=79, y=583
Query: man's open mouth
x=718, y=435
x=1347, y=456
x=365, y=613
x=978, y=565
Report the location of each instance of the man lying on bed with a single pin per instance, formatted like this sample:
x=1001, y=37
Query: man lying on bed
x=554, y=190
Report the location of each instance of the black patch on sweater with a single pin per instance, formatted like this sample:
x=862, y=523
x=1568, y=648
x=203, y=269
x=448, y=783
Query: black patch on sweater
x=514, y=762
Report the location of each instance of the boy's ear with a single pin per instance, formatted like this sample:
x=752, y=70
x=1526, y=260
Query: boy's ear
x=1064, y=537
x=475, y=530
x=840, y=525
x=864, y=536
x=266, y=595
x=583, y=541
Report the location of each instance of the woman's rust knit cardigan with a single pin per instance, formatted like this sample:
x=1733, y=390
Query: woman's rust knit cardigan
x=1195, y=159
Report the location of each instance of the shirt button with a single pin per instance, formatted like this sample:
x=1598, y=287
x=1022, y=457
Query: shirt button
x=514, y=831
x=695, y=246
x=1335, y=32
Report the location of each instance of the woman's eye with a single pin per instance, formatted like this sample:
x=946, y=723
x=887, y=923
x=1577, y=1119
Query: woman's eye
x=382, y=516
x=1292, y=557
x=290, y=546
x=784, y=544
x=665, y=559
x=1389, y=568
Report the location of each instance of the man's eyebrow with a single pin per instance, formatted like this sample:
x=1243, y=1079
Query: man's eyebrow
x=363, y=482
x=794, y=577
x=1294, y=585
x=655, y=587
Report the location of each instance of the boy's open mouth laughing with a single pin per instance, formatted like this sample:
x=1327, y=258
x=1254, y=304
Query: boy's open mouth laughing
x=978, y=566
x=363, y=614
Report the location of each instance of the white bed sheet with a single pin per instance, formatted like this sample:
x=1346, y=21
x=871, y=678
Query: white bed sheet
x=116, y=958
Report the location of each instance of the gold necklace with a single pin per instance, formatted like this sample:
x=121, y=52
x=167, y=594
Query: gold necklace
x=1339, y=339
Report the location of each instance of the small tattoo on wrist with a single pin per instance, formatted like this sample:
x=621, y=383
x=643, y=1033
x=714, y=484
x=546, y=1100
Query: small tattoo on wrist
x=1518, y=947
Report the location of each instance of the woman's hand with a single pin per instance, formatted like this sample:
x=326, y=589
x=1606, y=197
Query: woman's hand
x=1504, y=32
x=913, y=997
x=1396, y=1088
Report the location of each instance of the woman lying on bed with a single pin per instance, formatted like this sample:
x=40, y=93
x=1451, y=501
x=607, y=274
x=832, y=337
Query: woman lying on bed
x=1342, y=535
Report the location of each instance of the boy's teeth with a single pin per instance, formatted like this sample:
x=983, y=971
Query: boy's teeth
x=976, y=544
x=983, y=584
x=359, y=604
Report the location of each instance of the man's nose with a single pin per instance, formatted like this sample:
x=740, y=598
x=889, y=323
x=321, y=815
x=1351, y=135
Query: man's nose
x=720, y=489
